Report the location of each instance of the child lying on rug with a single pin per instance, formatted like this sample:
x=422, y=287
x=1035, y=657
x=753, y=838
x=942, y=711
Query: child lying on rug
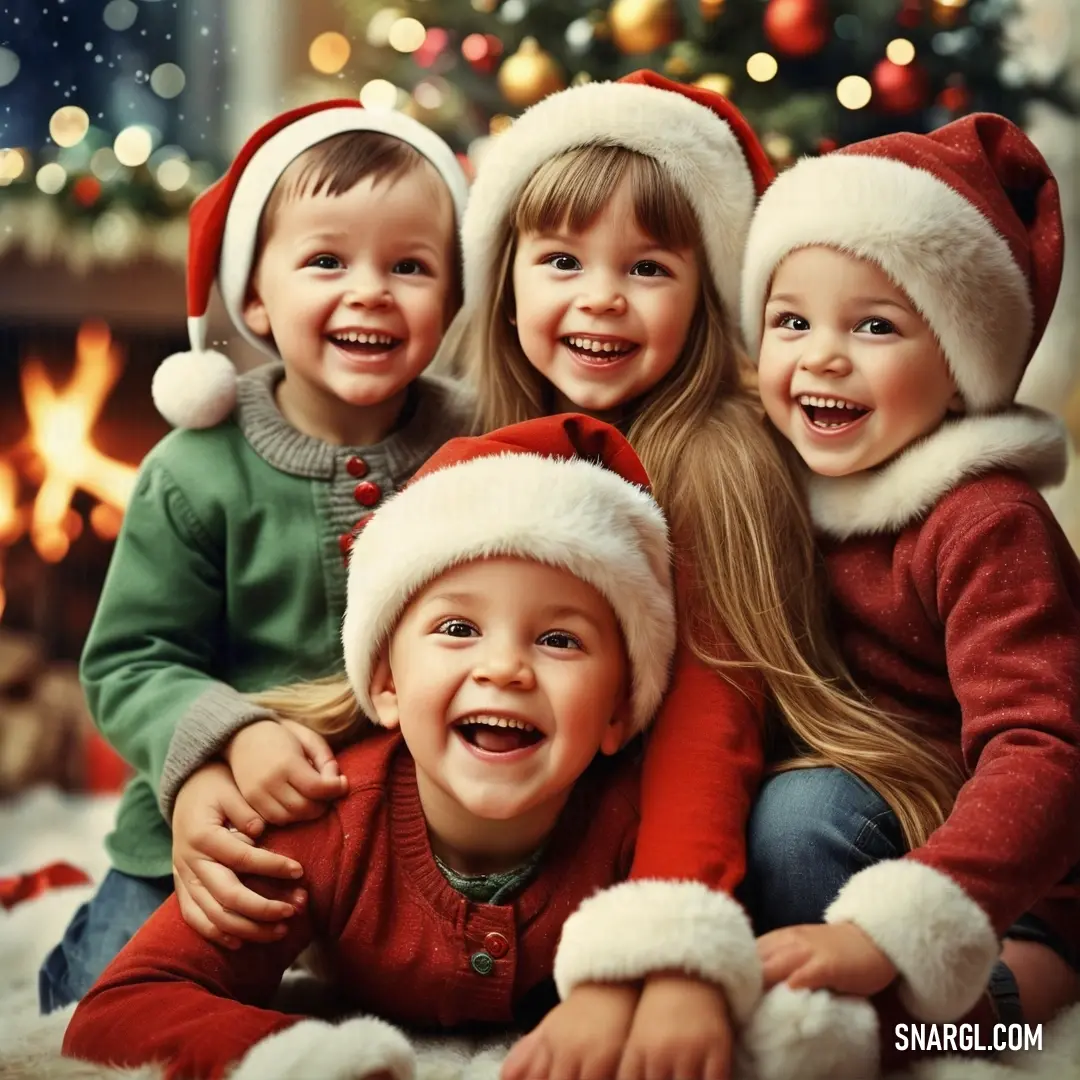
x=508, y=657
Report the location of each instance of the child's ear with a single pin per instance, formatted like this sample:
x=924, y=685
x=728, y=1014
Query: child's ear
x=957, y=404
x=256, y=318
x=384, y=694
x=618, y=729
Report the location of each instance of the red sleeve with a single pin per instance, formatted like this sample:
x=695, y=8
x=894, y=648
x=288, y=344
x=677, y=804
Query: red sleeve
x=703, y=763
x=1008, y=591
x=171, y=996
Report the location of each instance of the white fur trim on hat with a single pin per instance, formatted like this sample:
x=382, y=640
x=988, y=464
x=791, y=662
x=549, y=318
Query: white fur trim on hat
x=641, y=927
x=809, y=1035
x=898, y=493
x=274, y=157
x=693, y=144
x=569, y=513
x=940, y=940
x=932, y=242
x=346, y=1051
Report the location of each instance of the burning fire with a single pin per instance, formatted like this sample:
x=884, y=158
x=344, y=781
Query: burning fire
x=11, y=520
x=60, y=457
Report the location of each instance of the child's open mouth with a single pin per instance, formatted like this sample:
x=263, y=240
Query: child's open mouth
x=497, y=734
x=829, y=414
x=599, y=351
x=361, y=343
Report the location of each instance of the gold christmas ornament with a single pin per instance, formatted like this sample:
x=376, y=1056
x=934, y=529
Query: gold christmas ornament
x=676, y=66
x=946, y=14
x=529, y=75
x=710, y=9
x=643, y=26
x=779, y=147
x=601, y=26
x=717, y=83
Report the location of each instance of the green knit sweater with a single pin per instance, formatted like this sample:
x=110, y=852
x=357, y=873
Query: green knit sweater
x=228, y=578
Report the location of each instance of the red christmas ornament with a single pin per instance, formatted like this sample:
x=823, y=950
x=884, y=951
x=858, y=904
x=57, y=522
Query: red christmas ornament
x=796, y=27
x=899, y=88
x=910, y=14
x=435, y=40
x=86, y=190
x=955, y=98
x=483, y=52
x=826, y=145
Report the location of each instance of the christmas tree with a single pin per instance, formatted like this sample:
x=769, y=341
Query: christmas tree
x=808, y=74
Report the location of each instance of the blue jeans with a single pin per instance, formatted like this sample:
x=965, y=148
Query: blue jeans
x=98, y=931
x=811, y=830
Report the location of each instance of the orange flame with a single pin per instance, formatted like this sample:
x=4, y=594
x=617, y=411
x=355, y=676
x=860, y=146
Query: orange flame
x=64, y=457
x=11, y=518
x=60, y=426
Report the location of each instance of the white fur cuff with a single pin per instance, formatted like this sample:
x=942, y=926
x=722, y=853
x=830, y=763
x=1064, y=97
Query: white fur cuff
x=348, y=1051
x=940, y=940
x=641, y=927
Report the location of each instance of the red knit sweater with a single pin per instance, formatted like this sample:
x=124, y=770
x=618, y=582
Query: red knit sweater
x=968, y=623
x=402, y=939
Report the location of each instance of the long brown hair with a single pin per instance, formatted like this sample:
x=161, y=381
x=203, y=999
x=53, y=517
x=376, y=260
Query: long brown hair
x=756, y=595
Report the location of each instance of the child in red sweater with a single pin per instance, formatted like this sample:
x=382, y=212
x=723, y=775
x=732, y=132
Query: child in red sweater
x=893, y=293
x=508, y=655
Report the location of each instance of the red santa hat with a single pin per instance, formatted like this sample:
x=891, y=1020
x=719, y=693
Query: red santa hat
x=700, y=139
x=198, y=388
x=567, y=491
x=965, y=220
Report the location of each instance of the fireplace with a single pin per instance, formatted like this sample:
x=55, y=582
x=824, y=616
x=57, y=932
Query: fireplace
x=76, y=418
x=78, y=353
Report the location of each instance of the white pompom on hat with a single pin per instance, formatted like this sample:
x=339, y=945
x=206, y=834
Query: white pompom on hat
x=197, y=389
x=567, y=491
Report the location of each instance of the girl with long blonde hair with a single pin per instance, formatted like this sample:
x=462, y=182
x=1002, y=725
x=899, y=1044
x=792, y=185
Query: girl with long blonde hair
x=602, y=243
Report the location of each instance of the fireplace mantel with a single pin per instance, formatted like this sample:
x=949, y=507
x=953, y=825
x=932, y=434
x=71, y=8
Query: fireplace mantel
x=147, y=295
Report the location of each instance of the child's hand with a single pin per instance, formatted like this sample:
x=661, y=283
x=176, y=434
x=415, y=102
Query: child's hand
x=285, y=770
x=681, y=1029
x=207, y=856
x=838, y=957
x=581, y=1039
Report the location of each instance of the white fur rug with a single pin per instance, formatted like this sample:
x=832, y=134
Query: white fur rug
x=44, y=826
